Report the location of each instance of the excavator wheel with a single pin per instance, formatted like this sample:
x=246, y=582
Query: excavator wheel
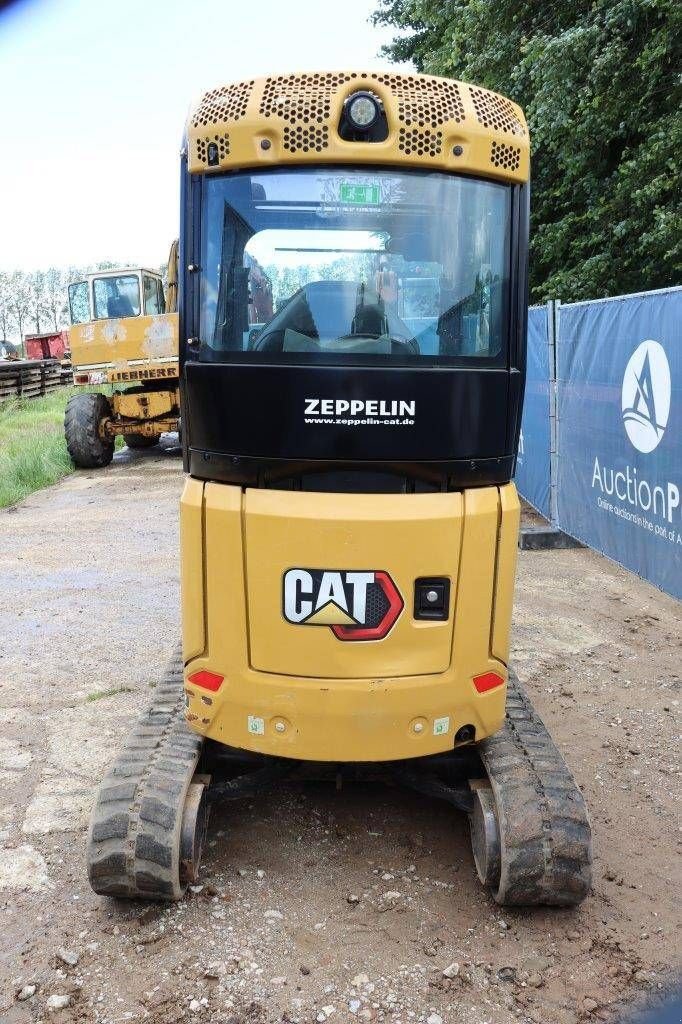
x=148, y=825
x=141, y=440
x=530, y=833
x=82, y=421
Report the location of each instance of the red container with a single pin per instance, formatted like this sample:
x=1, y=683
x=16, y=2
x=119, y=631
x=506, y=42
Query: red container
x=46, y=346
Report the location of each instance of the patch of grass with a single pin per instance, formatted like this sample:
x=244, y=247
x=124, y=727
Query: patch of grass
x=101, y=694
x=32, y=447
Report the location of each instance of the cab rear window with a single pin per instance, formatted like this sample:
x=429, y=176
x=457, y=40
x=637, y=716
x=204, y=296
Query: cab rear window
x=329, y=263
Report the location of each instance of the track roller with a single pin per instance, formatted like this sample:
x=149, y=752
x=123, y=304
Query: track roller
x=193, y=829
x=485, y=835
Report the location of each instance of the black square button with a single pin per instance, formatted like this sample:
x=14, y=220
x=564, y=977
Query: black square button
x=432, y=598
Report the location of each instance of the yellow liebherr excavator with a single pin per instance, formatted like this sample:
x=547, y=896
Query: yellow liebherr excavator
x=353, y=253
x=124, y=337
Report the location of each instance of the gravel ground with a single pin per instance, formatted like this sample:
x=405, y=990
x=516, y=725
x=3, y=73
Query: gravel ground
x=316, y=905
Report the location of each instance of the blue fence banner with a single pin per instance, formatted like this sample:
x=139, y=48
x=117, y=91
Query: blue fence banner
x=533, y=463
x=619, y=430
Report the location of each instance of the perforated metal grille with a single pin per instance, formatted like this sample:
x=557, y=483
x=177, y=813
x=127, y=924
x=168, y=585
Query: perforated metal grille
x=496, y=112
x=508, y=157
x=302, y=98
x=413, y=141
x=304, y=139
x=421, y=113
x=228, y=103
x=377, y=605
x=221, y=141
x=424, y=102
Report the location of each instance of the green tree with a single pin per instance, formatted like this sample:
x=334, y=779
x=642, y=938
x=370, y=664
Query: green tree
x=600, y=85
x=55, y=298
x=5, y=302
x=285, y=280
x=19, y=305
x=36, y=290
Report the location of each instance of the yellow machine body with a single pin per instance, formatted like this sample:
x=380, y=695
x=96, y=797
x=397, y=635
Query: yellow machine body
x=136, y=355
x=130, y=349
x=295, y=690
x=145, y=404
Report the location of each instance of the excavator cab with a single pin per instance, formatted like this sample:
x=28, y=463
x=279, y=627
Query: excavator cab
x=353, y=254
x=340, y=246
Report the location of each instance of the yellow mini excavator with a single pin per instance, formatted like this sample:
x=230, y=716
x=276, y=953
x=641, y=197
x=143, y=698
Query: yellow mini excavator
x=352, y=302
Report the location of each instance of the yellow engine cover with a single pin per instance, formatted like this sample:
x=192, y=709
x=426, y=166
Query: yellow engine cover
x=134, y=348
x=277, y=588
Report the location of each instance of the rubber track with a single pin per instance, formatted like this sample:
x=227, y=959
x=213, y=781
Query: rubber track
x=133, y=845
x=544, y=828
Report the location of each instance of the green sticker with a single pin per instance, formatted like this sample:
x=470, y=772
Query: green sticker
x=441, y=726
x=360, y=195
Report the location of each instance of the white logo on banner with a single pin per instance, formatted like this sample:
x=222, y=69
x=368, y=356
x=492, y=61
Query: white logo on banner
x=645, y=398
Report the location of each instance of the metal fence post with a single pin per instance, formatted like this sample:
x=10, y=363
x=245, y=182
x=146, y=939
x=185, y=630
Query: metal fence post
x=552, y=325
x=536, y=538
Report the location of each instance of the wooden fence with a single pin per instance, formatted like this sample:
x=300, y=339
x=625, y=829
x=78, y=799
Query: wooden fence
x=29, y=378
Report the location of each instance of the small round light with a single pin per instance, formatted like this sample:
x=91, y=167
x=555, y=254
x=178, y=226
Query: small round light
x=362, y=110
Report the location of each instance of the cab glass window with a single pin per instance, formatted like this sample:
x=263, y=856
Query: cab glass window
x=330, y=262
x=116, y=296
x=79, y=306
x=153, y=295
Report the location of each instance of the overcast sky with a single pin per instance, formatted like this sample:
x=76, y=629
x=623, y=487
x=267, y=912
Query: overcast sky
x=94, y=99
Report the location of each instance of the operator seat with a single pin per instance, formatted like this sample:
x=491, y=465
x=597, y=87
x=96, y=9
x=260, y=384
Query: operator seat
x=335, y=312
x=119, y=305
x=370, y=319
